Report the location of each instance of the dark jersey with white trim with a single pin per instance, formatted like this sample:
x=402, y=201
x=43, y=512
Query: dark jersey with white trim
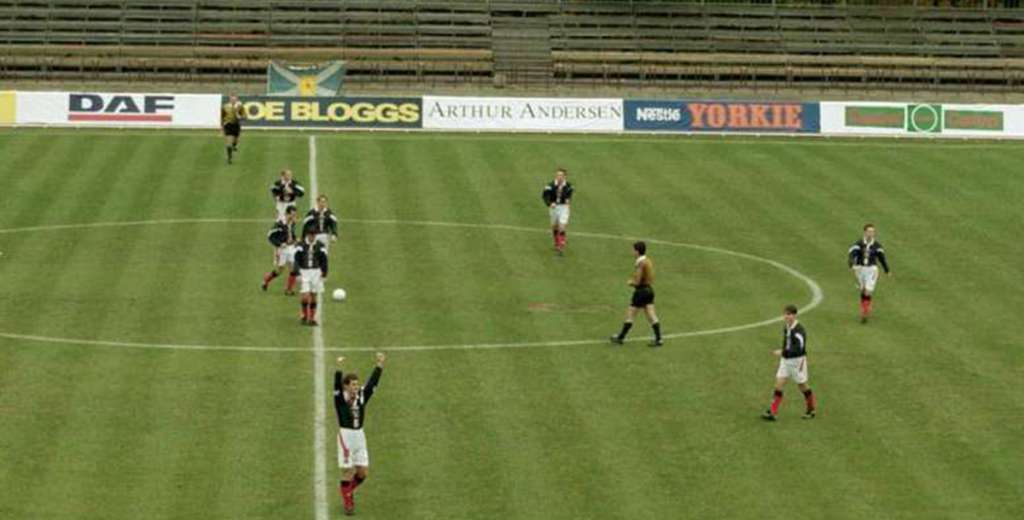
x=553, y=193
x=282, y=233
x=794, y=341
x=280, y=193
x=867, y=254
x=311, y=256
x=352, y=413
x=320, y=222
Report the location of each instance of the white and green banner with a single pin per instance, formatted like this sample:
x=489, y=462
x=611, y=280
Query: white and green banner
x=922, y=119
x=323, y=80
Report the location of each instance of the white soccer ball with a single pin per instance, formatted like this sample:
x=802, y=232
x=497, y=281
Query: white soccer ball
x=339, y=295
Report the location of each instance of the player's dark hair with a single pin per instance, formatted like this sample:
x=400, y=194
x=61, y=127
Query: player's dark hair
x=791, y=309
x=290, y=210
x=869, y=225
x=640, y=247
x=349, y=377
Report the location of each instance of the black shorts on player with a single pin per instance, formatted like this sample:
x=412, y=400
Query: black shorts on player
x=232, y=129
x=642, y=296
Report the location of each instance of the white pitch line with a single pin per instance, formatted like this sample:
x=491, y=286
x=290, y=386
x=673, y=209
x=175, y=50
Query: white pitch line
x=319, y=386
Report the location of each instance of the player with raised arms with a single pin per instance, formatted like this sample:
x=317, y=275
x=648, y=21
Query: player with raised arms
x=350, y=400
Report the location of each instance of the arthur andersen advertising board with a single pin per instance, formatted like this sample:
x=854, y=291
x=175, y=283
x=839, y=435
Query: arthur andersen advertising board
x=522, y=114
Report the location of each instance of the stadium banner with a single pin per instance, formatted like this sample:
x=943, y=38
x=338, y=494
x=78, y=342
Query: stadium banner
x=922, y=119
x=305, y=80
x=119, y=110
x=329, y=112
x=721, y=116
x=522, y=114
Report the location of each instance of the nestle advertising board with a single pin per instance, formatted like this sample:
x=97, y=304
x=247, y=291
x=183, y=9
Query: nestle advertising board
x=722, y=116
x=337, y=112
x=522, y=114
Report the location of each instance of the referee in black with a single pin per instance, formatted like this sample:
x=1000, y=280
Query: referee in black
x=231, y=115
x=643, y=296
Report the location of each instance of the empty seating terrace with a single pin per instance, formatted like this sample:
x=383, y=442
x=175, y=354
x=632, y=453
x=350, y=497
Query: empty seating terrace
x=567, y=42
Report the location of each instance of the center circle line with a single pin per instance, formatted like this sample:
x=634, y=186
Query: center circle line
x=817, y=295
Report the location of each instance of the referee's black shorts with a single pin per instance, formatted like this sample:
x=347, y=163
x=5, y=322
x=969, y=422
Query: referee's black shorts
x=232, y=129
x=643, y=296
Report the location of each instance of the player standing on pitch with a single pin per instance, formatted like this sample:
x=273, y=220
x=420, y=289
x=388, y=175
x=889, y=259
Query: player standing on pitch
x=863, y=257
x=231, y=115
x=792, y=365
x=350, y=402
x=643, y=296
x=311, y=264
x=282, y=237
x=558, y=195
x=285, y=191
x=321, y=222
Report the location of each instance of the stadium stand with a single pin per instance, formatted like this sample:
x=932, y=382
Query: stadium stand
x=544, y=42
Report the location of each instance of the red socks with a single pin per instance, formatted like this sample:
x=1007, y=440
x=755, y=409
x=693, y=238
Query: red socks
x=812, y=403
x=268, y=277
x=559, y=238
x=776, y=401
x=291, y=283
x=865, y=305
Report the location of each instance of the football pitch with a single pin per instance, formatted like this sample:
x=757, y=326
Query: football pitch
x=144, y=374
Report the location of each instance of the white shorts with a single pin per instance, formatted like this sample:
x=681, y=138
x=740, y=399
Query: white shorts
x=324, y=240
x=282, y=207
x=284, y=255
x=559, y=214
x=352, y=449
x=793, y=368
x=867, y=276
x=312, y=281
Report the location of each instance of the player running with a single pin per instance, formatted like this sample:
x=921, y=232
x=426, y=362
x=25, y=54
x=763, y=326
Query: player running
x=350, y=402
x=558, y=195
x=231, y=115
x=282, y=237
x=285, y=191
x=321, y=222
x=311, y=265
x=863, y=257
x=643, y=296
x=792, y=365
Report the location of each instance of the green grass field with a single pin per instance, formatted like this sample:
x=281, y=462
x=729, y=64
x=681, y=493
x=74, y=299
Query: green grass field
x=118, y=400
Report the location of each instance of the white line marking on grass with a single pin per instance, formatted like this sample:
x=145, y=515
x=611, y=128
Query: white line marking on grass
x=817, y=295
x=319, y=386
